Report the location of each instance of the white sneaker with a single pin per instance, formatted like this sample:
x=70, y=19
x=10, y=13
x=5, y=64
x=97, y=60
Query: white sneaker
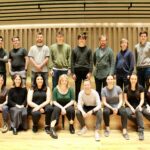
x=82, y=131
x=97, y=136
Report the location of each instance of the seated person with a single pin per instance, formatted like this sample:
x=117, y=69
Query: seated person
x=63, y=101
x=39, y=98
x=3, y=106
x=134, y=99
x=112, y=100
x=17, y=102
x=89, y=104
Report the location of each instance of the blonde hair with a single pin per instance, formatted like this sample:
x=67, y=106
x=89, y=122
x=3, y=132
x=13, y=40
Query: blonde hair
x=124, y=40
x=63, y=76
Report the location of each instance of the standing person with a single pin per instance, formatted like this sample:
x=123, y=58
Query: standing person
x=134, y=99
x=112, y=99
x=81, y=63
x=89, y=104
x=63, y=100
x=18, y=60
x=60, y=58
x=142, y=57
x=146, y=108
x=104, y=63
x=17, y=102
x=3, y=60
x=39, y=57
x=3, y=106
x=39, y=99
x=124, y=65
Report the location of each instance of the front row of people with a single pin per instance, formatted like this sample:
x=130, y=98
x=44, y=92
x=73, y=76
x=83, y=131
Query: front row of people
x=19, y=104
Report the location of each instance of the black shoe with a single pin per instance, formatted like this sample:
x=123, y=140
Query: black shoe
x=53, y=133
x=71, y=129
x=14, y=131
x=35, y=128
x=47, y=129
x=141, y=135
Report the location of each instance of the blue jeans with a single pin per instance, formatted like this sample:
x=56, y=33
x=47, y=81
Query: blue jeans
x=143, y=75
x=56, y=75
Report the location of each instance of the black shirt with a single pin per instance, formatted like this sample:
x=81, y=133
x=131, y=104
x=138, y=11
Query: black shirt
x=2, y=62
x=133, y=97
x=17, y=95
x=17, y=57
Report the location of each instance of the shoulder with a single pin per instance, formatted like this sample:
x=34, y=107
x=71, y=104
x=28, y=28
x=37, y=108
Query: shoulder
x=141, y=88
x=118, y=88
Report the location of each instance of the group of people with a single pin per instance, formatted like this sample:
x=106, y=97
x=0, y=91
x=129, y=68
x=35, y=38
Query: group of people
x=129, y=97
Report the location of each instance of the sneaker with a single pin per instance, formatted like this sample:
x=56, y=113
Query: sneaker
x=126, y=136
x=141, y=135
x=71, y=129
x=47, y=129
x=5, y=128
x=97, y=136
x=82, y=131
x=53, y=133
x=106, y=133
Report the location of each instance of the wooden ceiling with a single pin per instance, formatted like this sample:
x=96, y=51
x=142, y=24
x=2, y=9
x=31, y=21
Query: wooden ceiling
x=73, y=10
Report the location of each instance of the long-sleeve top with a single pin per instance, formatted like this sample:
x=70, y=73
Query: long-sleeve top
x=17, y=95
x=103, y=60
x=142, y=55
x=63, y=99
x=91, y=99
x=60, y=56
x=124, y=65
x=3, y=60
x=81, y=58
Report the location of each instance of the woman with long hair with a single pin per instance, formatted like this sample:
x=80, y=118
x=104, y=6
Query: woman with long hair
x=17, y=102
x=39, y=98
x=134, y=99
x=63, y=100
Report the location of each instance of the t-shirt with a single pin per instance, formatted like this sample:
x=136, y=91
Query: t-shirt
x=63, y=99
x=132, y=96
x=3, y=56
x=17, y=57
x=112, y=95
x=39, y=53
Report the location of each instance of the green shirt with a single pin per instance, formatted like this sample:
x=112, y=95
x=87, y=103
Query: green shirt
x=60, y=56
x=63, y=99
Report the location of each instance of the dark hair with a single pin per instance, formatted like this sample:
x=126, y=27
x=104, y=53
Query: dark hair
x=143, y=32
x=39, y=33
x=60, y=33
x=1, y=76
x=17, y=37
x=137, y=91
x=82, y=35
x=14, y=77
x=1, y=38
x=35, y=87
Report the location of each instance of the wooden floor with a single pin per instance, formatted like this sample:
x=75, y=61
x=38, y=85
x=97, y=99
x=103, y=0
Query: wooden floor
x=66, y=141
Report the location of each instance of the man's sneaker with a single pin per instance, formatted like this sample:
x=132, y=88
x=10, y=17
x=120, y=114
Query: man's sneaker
x=106, y=133
x=5, y=128
x=126, y=136
x=141, y=135
x=47, y=129
x=97, y=136
x=53, y=133
x=82, y=131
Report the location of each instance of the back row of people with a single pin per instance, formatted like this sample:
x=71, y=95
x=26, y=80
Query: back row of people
x=60, y=59
x=18, y=103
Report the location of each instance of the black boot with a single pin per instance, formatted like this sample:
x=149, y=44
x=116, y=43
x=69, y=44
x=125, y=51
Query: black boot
x=53, y=133
x=14, y=131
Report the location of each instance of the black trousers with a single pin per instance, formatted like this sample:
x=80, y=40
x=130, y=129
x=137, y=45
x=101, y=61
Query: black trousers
x=80, y=76
x=36, y=115
x=98, y=115
x=122, y=112
x=99, y=83
x=122, y=81
x=70, y=113
x=137, y=118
